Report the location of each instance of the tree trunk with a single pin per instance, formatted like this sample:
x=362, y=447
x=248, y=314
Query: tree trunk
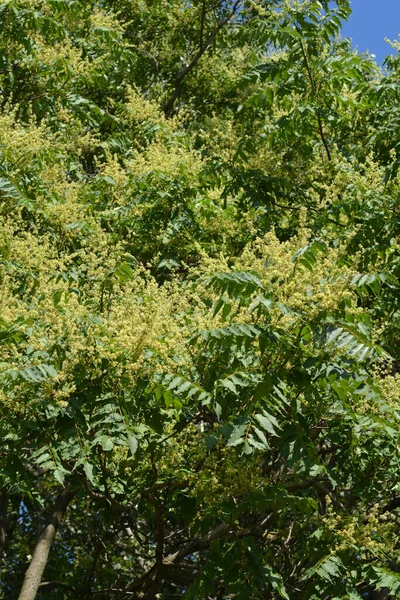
x=40, y=556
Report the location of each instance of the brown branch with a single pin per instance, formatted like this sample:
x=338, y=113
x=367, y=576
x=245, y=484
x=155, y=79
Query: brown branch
x=322, y=135
x=40, y=555
x=300, y=485
x=92, y=571
x=3, y=522
x=149, y=584
x=327, y=492
x=153, y=580
x=197, y=544
x=159, y=532
x=169, y=104
x=329, y=219
x=59, y=584
x=203, y=18
x=314, y=92
x=202, y=543
x=392, y=505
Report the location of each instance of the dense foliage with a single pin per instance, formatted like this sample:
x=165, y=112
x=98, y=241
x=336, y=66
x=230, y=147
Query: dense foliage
x=199, y=331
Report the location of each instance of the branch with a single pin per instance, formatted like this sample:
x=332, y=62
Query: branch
x=169, y=104
x=216, y=533
x=313, y=87
x=286, y=207
x=197, y=544
x=392, y=505
x=59, y=584
x=40, y=556
x=323, y=138
x=3, y=521
x=159, y=532
x=92, y=571
x=300, y=485
x=148, y=585
x=203, y=17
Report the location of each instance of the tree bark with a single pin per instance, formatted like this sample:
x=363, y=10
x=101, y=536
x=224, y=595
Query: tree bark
x=40, y=556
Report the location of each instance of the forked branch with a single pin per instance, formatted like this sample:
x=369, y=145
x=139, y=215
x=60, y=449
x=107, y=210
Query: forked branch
x=169, y=104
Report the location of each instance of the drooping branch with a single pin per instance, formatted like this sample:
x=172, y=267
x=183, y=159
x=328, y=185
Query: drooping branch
x=169, y=104
x=40, y=555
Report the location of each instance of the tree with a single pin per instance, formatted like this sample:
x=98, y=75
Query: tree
x=199, y=303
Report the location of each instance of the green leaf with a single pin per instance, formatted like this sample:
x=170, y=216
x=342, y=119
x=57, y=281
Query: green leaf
x=329, y=568
x=88, y=469
x=60, y=474
x=133, y=444
x=267, y=422
x=124, y=272
x=275, y=580
x=9, y=190
x=105, y=442
x=38, y=373
x=236, y=436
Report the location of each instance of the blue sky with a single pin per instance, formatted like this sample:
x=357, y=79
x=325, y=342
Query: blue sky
x=371, y=22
